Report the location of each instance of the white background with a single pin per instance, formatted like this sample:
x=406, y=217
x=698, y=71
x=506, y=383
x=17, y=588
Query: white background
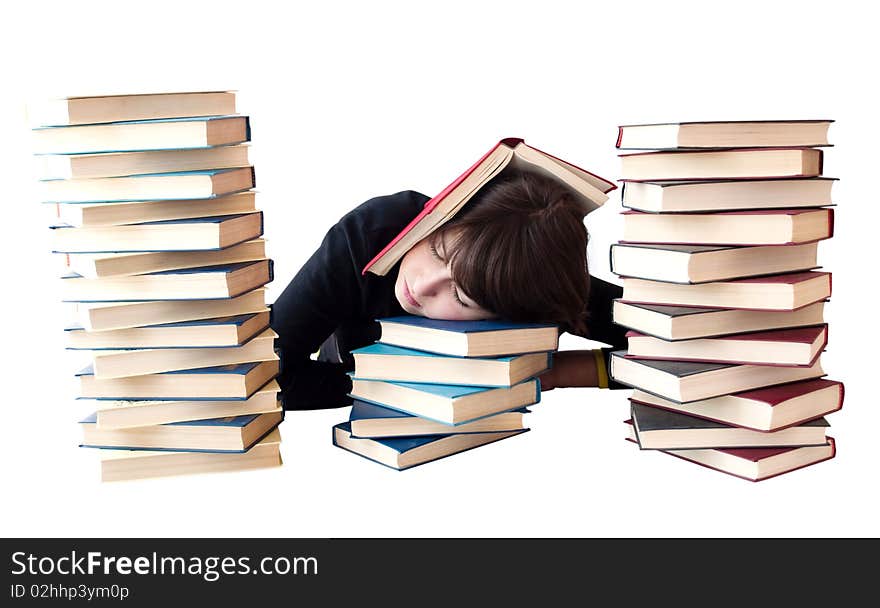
x=354, y=100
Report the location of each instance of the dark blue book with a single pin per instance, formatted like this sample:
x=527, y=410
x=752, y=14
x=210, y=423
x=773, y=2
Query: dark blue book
x=203, y=283
x=446, y=403
x=190, y=234
x=406, y=452
x=142, y=135
x=201, y=333
x=386, y=362
x=221, y=383
x=375, y=421
x=232, y=434
x=487, y=338
x=661, y=429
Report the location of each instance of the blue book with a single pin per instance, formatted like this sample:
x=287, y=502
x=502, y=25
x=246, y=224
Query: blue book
x=487, y=338
x=374, y=421
x=380, y=361
x=204, y=283
x=446, y=403
x=232, y=434
x=191, y=234
x=220, y=383
x=201, y=333
x=406, y=452
x=143, y=135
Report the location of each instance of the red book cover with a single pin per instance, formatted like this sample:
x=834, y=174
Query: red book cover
x=753, y=455
x=775, y=395
x=433, y=202
x=803, y=335
x=791, y=278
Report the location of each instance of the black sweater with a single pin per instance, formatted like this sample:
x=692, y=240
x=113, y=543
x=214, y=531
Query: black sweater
x=331, y=307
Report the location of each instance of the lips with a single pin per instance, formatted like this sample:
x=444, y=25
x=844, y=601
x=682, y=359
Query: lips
x=409, y=297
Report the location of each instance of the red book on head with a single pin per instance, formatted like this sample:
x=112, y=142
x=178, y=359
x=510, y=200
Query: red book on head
x=508, y=154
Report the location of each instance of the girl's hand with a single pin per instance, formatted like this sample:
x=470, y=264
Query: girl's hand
x=548, y=380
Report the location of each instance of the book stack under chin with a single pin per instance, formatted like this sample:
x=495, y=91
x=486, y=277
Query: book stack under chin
x=430, y=389
x=723, y=294
x=154, y=217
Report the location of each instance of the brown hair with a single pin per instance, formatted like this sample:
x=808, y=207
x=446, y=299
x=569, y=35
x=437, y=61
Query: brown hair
x=520, y=251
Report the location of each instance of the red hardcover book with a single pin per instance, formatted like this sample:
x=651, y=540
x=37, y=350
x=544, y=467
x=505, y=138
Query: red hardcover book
x=742, y=163
x=510, y=153
x=764, y=409
x=787, y=347
x=789, y=291
x=754, y=227
x=754, y=464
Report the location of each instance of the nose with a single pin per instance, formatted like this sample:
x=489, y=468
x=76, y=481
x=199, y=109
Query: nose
x=432, y=282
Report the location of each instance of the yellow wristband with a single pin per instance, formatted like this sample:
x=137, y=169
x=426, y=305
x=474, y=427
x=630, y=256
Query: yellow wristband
x=601, y=370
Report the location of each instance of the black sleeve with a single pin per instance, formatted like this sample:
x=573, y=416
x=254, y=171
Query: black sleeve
x=330, y=291
x=305, y=314
x=600, y=324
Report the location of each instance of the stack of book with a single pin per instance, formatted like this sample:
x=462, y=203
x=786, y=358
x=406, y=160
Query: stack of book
x=429, y=389
x=723, y=296
x=155, y=219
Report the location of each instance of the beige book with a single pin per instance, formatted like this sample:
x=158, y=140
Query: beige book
x=716, y=164
x=232, y=382
x=138, y=362
x=724, y=134
x=214, y=434
x=121, y=315
x=217, y=332
x=161, y=186
x=788, y=291
x=102, y=265
x=706, y=263
x=761, y=227
x=119, y=164
x=199, y=132
x=202, y=283
x=127, y=413
x=686, y=322
x=140, y=106
x=208, y=233
x=84, y=215
x=675, y=196
x=119, y=465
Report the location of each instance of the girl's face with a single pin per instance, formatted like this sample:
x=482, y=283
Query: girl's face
x=425, y=286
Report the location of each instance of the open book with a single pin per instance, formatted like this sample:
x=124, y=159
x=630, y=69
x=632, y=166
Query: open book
x=511, y=153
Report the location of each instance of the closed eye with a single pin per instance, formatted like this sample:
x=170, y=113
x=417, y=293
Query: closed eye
x=435, y=253
x=458, y=298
